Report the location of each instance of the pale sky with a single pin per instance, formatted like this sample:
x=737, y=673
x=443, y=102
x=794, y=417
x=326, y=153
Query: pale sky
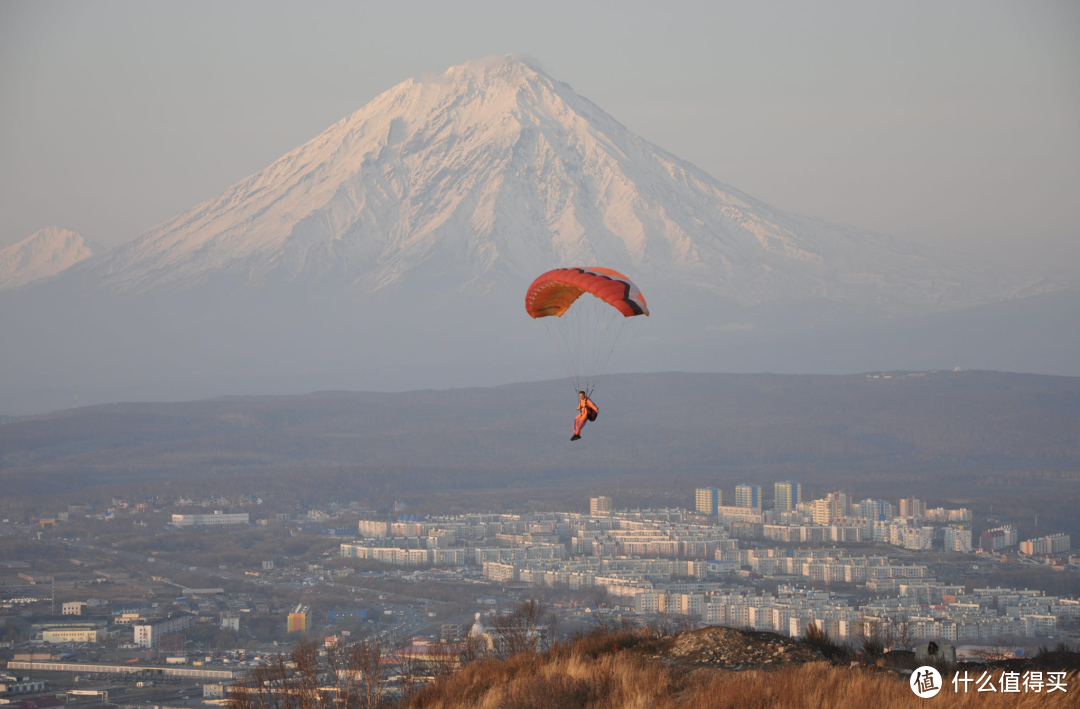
x=953, y=123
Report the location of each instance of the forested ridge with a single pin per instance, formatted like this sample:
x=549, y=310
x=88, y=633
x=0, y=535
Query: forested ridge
x=909, y=424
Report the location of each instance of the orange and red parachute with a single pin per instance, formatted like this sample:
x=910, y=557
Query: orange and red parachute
x=555, y=291
x=585, y=309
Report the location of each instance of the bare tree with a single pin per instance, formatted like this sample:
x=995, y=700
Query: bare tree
x=444, y=659
x=525, y=629
x=280, y=684
x=474, y=649
x=343, y=678
x=410, y=670
x=304, y=683
x=340, y=675
x=871, y=635
x=364, y=660
x=998, y=649
x=901, y=633
x=605, y=619
x=663, y=627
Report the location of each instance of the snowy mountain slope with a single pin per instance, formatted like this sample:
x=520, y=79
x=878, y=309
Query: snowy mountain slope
x=495, y=172
x=44, y=253
x=393, y=251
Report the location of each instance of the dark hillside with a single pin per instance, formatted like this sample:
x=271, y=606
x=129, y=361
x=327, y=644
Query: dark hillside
x=910, y=426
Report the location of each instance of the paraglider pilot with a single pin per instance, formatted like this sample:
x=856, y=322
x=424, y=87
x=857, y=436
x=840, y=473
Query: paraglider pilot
x=587, y=411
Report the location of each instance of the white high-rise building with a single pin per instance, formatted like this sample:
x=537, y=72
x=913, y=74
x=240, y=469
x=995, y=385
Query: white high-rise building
x=874, y=510
x=834, y=506
x=599, y=506
x=707, y=500
x=957, y=539
x=748, y=496
x=912, y=507
x=786, y=496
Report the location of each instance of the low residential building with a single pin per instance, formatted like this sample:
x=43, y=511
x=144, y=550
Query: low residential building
x=216, y=519
x=998, y=538
x=1050, y=544
x=940, y=514
x=373, y=529
x=148, y=634
x=500, y=572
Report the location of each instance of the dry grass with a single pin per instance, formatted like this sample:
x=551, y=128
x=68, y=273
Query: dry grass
x=821, y=685
x=608, y=670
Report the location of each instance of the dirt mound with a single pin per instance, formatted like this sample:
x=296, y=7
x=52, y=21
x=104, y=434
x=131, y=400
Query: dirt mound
x=1053, y=660
x=734, y=649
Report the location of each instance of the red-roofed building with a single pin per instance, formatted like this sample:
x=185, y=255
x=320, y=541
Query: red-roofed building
x=37, y=703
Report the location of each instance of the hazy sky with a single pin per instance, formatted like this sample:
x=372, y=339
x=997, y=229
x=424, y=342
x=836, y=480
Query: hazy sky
x=947, y=122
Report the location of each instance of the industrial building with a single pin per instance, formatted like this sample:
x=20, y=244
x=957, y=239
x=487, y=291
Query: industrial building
x=344, y=616
x=10, y=685
x=85, y=667
x=73, y=635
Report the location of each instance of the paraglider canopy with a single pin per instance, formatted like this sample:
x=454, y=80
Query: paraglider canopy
x=555, y=291
x=585, y=309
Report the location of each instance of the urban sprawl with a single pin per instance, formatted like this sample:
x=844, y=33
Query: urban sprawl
x=682, y=562
x=845, y=566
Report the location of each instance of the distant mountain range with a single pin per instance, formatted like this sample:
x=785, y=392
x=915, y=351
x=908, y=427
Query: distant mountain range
x=890, y=429
x=393, y=250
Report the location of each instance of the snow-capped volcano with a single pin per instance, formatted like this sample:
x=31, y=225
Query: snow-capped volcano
x=44, y=253
x=394, y=251
x=494, y=172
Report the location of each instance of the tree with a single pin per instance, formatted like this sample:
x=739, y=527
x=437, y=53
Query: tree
x=528, y=628
x=872, y=637
x=364, y=658
x=350, y=677
x=901, y=632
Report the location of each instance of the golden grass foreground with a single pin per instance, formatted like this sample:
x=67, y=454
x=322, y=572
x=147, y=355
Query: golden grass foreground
x=586, y=675
x=625, y=668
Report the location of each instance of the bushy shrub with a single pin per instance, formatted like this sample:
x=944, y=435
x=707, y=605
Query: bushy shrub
x=820, y=640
